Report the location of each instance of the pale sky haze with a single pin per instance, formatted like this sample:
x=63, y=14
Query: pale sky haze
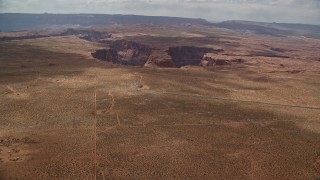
x=291, y=11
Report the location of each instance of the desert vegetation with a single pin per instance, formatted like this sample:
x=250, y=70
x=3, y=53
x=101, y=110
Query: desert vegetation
x=159, y=102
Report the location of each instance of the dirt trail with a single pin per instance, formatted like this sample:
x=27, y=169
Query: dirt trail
x=111, y=108
x=10, y=91
x=94, y=134
x=140, y=81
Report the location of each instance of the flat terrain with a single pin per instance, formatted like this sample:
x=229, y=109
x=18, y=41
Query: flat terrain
x=65, y=115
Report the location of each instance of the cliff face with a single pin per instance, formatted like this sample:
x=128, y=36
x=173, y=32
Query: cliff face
x=124, y=52
x=159, y=59
x=219, y=60
x=132, y=52
x=135, y=54
x=106, y=55
x=189, y=55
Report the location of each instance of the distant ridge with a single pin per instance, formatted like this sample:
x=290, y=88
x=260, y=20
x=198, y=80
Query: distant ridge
x=25, y=21
x=21, y=21
x=272, y=29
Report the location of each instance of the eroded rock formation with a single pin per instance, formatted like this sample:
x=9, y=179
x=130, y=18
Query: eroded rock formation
x=219, y=60
x=132, y=52
x=189, y=55
x=135, y=54
x=160, y=59
x=106, y=55
x=124, y=52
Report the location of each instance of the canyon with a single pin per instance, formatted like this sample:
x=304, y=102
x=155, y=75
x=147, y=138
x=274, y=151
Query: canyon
x=186, y=99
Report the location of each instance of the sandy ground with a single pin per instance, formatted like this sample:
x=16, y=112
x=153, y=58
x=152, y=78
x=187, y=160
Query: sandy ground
x=67, y=116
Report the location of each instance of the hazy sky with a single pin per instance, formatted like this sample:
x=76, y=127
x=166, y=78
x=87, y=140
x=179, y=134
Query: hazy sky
x=302, y=11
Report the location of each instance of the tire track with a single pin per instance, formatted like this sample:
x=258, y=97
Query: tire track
x=111, y=108
x=94, y=134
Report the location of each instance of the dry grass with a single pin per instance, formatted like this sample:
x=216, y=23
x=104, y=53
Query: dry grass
x=163, y=130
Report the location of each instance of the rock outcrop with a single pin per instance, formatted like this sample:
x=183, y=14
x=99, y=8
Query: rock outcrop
x=159, y=60
x=189, y=55
x=219, y=60
x=106, y=55
x=124, y=52
x=136, y=54
x=132, y=52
